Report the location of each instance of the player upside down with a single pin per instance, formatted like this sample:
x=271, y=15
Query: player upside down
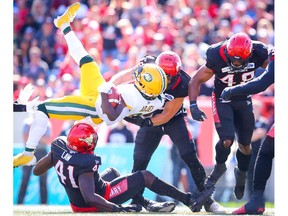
x=139, y=98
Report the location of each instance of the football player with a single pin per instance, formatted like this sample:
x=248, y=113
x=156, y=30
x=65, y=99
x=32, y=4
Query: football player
x=172, y=121
x=141, y=97
x=77, y=169
x=231, y=62
x=263, y=164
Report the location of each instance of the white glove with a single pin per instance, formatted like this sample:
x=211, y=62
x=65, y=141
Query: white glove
x=25, y=94
x=105, y=87
x=32, y=106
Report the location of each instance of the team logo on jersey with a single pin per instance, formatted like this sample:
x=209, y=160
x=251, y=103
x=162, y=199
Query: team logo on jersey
x=88, y=140
x=147, y=77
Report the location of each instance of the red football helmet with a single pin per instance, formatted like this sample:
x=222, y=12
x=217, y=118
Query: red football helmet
x=238, y=50
x=82, y=138
x=170, y=62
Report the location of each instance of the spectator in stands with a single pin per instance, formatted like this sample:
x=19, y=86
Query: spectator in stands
x=120, y=134
x=36, y=68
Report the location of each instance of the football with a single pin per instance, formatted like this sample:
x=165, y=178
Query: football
x=114, y=97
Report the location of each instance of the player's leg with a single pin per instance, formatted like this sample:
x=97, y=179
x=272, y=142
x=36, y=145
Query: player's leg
x=109, y=174
x=37, y=130
x=146, y=142
x=224, y=125
x=72, y=107
x=244, y=126
x=192, y=200
x=65, y=108
x=262, y=171
x=90, y=73
x=181, y=137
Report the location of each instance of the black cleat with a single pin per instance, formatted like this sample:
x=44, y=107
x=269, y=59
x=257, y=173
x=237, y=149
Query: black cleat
x=239, y=188
x=249, y=210
x=255, y=206
x=160, y=206
x=217, y=172
x=197, y=199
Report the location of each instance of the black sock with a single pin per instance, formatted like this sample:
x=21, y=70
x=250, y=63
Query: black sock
x=162, y=188
x=196, y=168
x=222, y=153
x=243, y=160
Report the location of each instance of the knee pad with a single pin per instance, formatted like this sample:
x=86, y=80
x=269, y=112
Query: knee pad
x=109, y=174
x=222, y=153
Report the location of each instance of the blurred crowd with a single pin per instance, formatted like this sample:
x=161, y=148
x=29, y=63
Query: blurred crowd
x=118, y=33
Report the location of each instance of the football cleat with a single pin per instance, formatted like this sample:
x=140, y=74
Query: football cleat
x=239, y=188
x=217, y=172
x=68, y=16
x=215, y=207
x=160, y=206
x=24, y=160
x=197, y=199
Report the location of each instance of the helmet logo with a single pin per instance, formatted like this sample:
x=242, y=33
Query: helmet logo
x=147, y=77
x=88, y=140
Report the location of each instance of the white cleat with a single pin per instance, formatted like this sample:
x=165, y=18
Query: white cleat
x=215, y=208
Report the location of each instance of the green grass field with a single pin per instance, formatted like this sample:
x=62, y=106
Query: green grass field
x=24, y=210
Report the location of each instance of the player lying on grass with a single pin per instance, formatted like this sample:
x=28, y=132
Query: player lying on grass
x=77, y=169
x=141, y=97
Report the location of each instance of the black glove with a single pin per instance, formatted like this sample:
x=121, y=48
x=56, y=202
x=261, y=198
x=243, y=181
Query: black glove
x=138, y=120
x=226, y=93
x=196, y=113
x=128, y=208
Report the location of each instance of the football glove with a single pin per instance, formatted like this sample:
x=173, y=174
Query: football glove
x=128, y=208
x=196, y=113
x=25, y=94
x=32, y=106
x=226, y=93
x=140, y=121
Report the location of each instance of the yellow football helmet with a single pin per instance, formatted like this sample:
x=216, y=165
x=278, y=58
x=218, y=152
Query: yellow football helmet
x=150, y=80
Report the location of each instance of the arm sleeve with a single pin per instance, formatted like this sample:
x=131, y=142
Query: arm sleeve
x=257, y=85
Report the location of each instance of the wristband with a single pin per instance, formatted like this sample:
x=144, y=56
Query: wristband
x=193, y=103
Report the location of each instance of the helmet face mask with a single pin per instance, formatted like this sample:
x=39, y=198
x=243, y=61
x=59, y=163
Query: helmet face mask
x=150, y=80
x=82, y=138
x=238, y=51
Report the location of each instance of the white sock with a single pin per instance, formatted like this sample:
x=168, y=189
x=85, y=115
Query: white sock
x=64, y=26
x=37, y=130
x=75, y=47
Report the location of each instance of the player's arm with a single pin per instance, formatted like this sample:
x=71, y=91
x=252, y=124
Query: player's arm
x=43, y=165
x=87, y=188
x=254, y=86
x=169, y=110
x=111, y=112
x=106, y=111
x=125, y=76
x=202, y=75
